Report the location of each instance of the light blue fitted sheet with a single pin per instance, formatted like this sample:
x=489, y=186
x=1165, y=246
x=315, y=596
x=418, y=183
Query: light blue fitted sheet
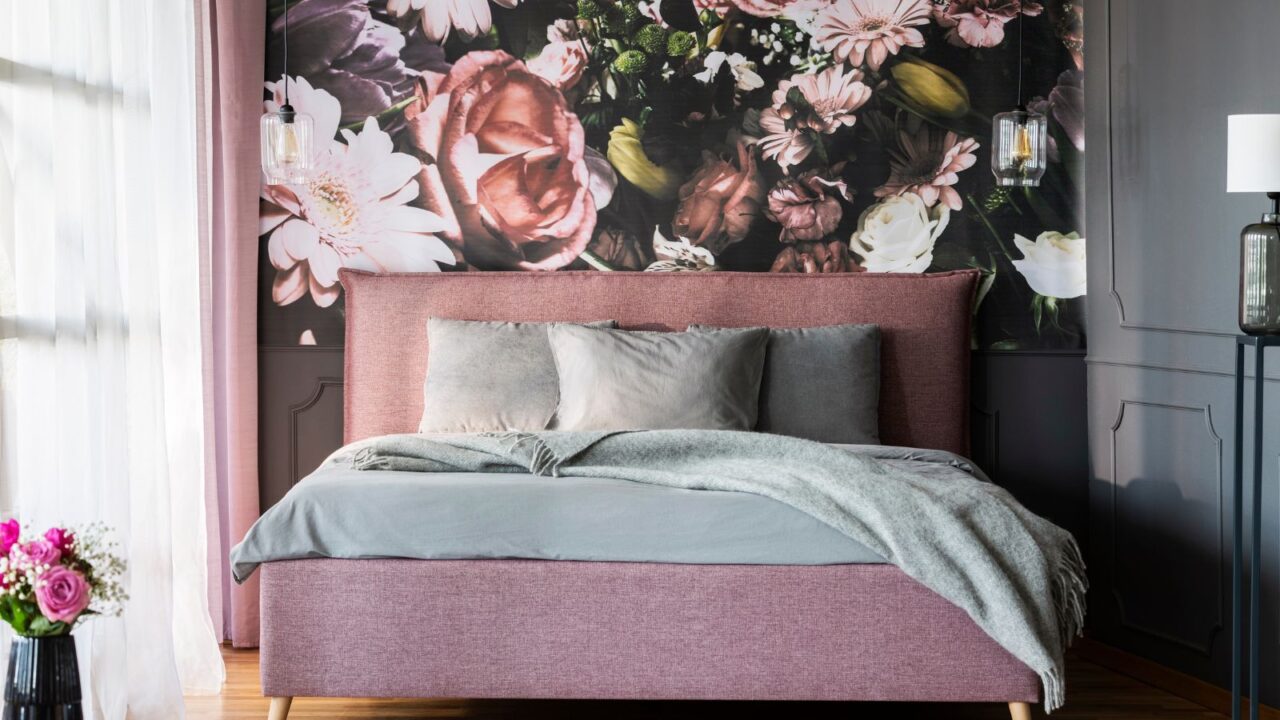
x=344, y=513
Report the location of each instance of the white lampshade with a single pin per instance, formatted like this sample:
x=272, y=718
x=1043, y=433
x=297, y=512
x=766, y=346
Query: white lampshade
x=1253, y=153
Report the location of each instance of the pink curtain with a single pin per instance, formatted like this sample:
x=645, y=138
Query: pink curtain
x=233, y=37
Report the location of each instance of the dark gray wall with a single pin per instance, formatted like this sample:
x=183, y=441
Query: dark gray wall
x=1161, y=79
x=1028, y=423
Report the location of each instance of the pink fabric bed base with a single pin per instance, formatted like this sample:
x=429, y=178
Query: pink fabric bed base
x=559, y=629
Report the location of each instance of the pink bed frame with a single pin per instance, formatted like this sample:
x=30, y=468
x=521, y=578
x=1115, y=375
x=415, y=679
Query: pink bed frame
x=558, y=629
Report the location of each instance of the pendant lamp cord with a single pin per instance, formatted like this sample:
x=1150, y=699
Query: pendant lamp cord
x=1019, y=54
x=287, y=54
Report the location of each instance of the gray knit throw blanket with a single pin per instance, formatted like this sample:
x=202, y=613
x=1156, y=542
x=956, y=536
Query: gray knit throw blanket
x=1020, y=577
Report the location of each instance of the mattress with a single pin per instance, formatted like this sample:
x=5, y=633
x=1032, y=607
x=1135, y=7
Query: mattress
x=339, y=512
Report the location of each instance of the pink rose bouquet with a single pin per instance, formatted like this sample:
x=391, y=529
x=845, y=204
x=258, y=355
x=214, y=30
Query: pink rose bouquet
x=49, y=582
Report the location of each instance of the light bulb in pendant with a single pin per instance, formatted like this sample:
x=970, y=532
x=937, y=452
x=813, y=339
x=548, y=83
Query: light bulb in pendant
x=1022, y=146
x=289, y=150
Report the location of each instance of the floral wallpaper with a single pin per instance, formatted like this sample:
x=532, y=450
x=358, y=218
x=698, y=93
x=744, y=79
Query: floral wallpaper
x=677, y=136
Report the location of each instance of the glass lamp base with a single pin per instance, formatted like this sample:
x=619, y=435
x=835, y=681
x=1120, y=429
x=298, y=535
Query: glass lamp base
x=1260, y=277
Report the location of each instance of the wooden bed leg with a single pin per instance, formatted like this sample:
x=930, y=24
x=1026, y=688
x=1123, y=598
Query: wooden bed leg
x=1019, y=711
x=279, y=708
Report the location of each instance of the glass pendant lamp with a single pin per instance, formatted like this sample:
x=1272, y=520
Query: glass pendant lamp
x=286, y=135
x=1019, y=140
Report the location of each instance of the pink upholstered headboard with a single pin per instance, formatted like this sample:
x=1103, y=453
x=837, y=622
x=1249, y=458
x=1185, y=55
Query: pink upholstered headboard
x=924, y=321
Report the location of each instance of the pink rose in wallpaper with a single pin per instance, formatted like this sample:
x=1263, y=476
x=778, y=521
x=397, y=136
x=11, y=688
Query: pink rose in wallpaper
x=808, y=205
x=509, y=174
x=676, y=136
x=720, y=201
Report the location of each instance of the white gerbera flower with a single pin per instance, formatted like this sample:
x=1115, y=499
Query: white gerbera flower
x=353, y=212
x=471, y=18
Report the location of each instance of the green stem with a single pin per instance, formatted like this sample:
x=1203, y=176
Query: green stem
x=932, y=121
x=594, y=261
x=398, y=107
x=1047, y=214
x=977, y=208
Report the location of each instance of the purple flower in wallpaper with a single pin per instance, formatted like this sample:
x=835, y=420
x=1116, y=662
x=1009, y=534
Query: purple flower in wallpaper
x=1066, y=102
x=342, y=49
x=980, y=23
x=1065, y=105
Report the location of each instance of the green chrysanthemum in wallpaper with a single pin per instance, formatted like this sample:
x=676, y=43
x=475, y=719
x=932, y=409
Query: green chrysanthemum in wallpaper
x=679, y=136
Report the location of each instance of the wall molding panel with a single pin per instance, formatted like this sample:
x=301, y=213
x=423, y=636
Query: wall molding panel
x=1199, y=640
x=300, y=414
x=324, y=388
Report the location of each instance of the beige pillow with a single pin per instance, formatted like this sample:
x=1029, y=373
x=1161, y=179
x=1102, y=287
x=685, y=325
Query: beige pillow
x=488, y=376
x=619, y=380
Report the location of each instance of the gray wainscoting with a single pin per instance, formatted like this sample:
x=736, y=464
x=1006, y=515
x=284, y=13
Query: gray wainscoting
x=1161, y=79
x=300, y=414
x=1028, y=423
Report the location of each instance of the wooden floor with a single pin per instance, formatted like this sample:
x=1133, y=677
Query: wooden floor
x=1093, y=692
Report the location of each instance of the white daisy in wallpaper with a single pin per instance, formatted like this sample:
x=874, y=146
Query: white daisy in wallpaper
x=471, y=18
x=353, y=212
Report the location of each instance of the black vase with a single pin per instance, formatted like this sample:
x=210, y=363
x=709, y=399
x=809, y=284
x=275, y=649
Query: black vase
x=43, y=682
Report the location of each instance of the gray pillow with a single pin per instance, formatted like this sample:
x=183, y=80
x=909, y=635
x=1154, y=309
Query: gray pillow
x=619, y=380
x=489, y=376
x=822, y=383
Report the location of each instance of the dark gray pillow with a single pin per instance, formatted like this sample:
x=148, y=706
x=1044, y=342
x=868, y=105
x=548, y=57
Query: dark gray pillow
x=822, y=383
x=489, y=376
x=619, y=380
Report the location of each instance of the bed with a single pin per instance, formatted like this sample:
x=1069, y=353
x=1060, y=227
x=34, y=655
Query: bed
x=511, y=628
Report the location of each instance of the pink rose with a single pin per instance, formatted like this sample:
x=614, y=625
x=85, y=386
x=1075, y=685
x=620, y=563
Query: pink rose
x=10, y=530
x=763, y=8
x=507, y=166
x=721, y=200
x=41, y=552
x=560, y=63
x=815, y=257
x=61, y=538
x=805, y=206
x=62, y=594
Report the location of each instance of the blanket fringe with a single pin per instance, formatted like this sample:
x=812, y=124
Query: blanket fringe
x=543, y=461
x=1070, y=589
x=368, y=459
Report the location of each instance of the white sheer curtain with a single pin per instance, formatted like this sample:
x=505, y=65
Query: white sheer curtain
x=101, y=356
